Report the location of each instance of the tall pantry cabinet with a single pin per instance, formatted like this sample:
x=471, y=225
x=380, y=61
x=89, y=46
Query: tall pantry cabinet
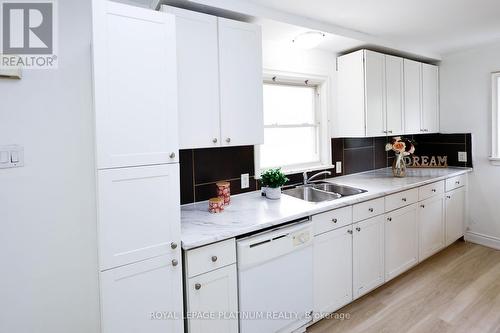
x=135, y=102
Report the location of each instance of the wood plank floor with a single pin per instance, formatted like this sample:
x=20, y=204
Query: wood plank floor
x=456, y=290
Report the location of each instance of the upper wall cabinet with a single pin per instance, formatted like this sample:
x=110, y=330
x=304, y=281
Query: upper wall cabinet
x=370, y=101
x=421, y=94
x=135, y=87
x=219, y=81
x=383, y=95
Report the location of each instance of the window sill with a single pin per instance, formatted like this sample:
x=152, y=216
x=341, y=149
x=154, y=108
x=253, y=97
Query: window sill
x=495, y=161
x=294, y=170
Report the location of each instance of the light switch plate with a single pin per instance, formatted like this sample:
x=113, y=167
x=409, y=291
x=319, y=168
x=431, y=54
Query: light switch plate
x=338, y=167
x=245, y=180
x=11, y=156
x=462, y=156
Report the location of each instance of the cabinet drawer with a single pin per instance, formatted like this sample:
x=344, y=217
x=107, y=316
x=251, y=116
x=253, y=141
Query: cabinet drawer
x=332, y=220
x=368, y=209
x=401, y=199
x=210, y=257
x=430, y=190
x=455, y=182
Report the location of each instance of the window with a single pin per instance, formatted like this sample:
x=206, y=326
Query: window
x=495, y=151
x=294, y=126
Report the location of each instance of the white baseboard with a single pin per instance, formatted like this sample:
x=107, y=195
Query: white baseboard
x=484, y=240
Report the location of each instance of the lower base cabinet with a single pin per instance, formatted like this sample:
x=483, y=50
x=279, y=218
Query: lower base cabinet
x=368, y=255
x=401, y=241
x=332, y=271
x=143, y=297
x=212, y=301
x=455, y=215
x=431, y=225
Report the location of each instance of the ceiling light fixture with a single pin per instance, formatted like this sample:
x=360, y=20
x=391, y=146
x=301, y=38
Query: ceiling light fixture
x=309, y=39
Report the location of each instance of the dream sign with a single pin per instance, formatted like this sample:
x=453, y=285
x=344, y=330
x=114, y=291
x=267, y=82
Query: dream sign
x=426, y=161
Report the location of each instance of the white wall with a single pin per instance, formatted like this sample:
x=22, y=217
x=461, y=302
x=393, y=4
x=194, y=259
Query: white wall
x=466, y=107
x=48, y=247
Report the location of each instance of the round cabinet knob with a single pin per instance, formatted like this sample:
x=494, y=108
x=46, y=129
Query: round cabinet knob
x=214, y=140
x=172, y=155
x=175, y=262
x=214, y=258
x=173, y=245
x=228, y=140
x=358, y=229
x=389, y=219
x=197, y=286
x=370, y=210
x=390, y=132
x=434, y=190
x=404, y=199
x=349, y=232
x=423, y=206
x=449, y=197
x=457, y=182
x=334, y=220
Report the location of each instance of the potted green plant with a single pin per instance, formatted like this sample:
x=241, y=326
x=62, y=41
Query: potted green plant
x=273, y=180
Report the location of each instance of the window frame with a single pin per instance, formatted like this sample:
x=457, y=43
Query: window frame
x=321, y=84
x=495, y=119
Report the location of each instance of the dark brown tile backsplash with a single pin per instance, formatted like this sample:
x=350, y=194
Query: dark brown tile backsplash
x=200, y=169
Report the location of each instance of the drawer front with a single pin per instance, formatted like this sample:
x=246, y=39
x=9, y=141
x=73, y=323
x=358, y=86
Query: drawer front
x=207, y=258
x=332, y=220
x=455, y=182
x=368, y=209
x=428, y=191
x=401, y=199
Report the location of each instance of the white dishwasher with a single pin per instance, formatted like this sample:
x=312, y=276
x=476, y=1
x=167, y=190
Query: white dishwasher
x=275, y=277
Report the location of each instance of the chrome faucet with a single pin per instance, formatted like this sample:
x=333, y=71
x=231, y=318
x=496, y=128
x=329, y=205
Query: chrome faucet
x=308, y=180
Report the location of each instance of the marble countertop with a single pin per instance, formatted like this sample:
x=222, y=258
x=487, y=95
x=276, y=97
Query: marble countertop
x=251, y=212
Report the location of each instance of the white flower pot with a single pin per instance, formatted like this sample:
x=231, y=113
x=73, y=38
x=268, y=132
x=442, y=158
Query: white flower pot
x=273, y=193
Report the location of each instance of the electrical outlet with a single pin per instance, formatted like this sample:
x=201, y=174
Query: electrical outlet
x=462, y=156
x=245, y=180
x=338, y=167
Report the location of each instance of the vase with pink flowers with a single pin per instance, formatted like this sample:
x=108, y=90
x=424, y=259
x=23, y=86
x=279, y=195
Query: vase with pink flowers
x=402, y=147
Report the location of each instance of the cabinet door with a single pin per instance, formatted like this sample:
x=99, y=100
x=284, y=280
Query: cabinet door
x=394, y=93
x=139, y=214
x=455, y=214
x=143, y=297
x=412, y=96
x=332, y=270
x=375, y=93
x=240, y=67
x=368, y=255
x=214, y=292
x=431, y=225
x=401, y=241
x=135, y=86
x=197, y=78
x=430, y=98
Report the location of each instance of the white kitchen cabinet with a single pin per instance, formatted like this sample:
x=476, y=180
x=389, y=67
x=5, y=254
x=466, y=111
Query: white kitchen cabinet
x=401, y=241
x=455, y=214
x=368, y=255
x=143, y=297
x=375, y=89
x=430, y=98
x=332, y=270
x=394, y=93
x=241, y=90
x=135, y=86
x=138, y=214
x=412, y=96
x=431, y=225
x=197, y=78
x=370, y=99
x=213, y=292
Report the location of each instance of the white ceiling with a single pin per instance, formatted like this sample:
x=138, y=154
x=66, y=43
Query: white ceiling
x=439, y=26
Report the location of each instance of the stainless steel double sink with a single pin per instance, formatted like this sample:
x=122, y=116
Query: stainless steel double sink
x=322, y=191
